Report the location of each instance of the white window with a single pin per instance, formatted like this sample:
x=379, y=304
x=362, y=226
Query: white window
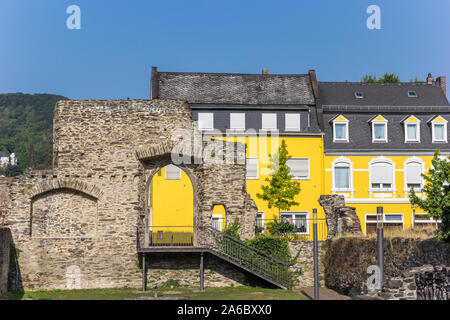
x=299, y=219
x=412, y=132
x=205, y=121
x=252, y=168
x=413, y=175
x=217, y=221
x=439, y=130
x=340, y=129
x=379, y=129
x=259, y=221
x=342, y=175
x=173, y=172
x=292, y=121
x=392, y=221
x=269, y=121
x=299, y=168
x=237, y=121
x=381, y=176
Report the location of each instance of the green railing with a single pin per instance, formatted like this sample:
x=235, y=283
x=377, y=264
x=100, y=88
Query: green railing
x=163, y=236
x=253, y=259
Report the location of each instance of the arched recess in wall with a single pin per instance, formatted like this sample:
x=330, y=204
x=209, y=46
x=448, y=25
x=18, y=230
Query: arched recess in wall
x=63, y=213
x=171, y=205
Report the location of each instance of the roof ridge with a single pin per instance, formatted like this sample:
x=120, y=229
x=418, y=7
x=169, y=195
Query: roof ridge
x=237, y=74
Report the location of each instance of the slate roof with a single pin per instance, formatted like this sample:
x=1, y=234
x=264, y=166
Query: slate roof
x=381, y=94
x=244, y=89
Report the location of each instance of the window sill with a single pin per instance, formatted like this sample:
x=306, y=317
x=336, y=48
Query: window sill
x=251, y=178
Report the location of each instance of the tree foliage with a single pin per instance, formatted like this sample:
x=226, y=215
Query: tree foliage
x=26, y=125
x=281, y=190
x=436, y=189
x=386, y=78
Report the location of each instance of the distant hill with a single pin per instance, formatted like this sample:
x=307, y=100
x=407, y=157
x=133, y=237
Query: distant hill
x=26, y=127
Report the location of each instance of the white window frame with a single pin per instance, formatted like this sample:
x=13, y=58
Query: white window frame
x=296, y=129
x=385, y=123
x=342, y=162
x=344, y=122
x=382, y=160
x=263, y=115
x=263, y=220
x=299, y=177
x=220, y=217
x=293, y=213
x=179, y=172
x=433, y=132
x=417, y=124
x=422, y=164
x=384, y=219
x=199, y=123
x=426, y=221
x=240, y=114
x=257, y=169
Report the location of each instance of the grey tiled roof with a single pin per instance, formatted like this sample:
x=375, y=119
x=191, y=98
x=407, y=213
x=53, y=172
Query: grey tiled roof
x=249, y=89
x=381, y=94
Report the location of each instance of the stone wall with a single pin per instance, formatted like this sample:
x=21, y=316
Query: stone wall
x=5, y=242
x=347, y=259
x=422, y=283
x=341, y=220
x=80, y=224
x=305, y=262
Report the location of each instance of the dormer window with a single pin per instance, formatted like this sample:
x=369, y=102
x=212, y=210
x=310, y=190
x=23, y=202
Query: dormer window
x=412, y=94
x=439, y=130
x=359, y=95
x=412, y=129
x=379, y=129
x=340, y=129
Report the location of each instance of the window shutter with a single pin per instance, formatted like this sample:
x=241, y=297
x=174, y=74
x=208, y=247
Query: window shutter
x=269, y=121
x=252, y=168
x=413, y=173
x=292, y=121
x=205, y=121
x=237, y=121
x=341, y=177
x=382, y=173
x=299, y=167
x=173, y=172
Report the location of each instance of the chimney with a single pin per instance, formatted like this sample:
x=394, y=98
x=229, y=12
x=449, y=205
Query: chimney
x=441, y=82
x=265, y=71
x=429, y=79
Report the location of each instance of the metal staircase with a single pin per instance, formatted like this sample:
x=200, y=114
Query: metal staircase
x=245, y=257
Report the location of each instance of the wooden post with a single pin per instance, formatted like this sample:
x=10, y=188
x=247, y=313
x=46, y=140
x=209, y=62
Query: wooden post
x=144, y=273
x=202, y=273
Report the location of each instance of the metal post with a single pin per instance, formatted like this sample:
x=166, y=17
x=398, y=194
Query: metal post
x=316, y=256
x=380, y=248
x=144, y=273
x=202, y=275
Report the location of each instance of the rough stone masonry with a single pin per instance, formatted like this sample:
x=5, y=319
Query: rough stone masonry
x=79, y=225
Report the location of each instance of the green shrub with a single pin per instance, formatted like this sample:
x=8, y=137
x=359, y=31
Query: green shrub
x=273, y=246
x=279, y=228
x=233, y=229
x=172, y=283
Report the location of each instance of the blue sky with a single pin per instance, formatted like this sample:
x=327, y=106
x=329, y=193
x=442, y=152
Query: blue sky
x=111, y=56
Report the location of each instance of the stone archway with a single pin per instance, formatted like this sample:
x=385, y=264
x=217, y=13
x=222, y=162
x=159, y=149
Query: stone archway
x=151, y=170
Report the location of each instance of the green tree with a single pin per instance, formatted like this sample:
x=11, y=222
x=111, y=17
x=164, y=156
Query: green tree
x=386, y=78
x=436, y=189
x=281, y=190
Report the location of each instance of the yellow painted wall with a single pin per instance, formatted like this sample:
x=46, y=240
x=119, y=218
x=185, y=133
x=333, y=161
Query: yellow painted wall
x=361, y=188
x=171, y=201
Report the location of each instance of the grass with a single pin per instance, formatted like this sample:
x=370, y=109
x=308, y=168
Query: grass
x=224, y=293
x=422, y=232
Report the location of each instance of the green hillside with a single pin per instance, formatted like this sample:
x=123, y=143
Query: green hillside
x=26, y=125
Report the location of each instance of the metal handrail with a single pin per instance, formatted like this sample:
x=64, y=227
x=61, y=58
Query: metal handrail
x=250, y=257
